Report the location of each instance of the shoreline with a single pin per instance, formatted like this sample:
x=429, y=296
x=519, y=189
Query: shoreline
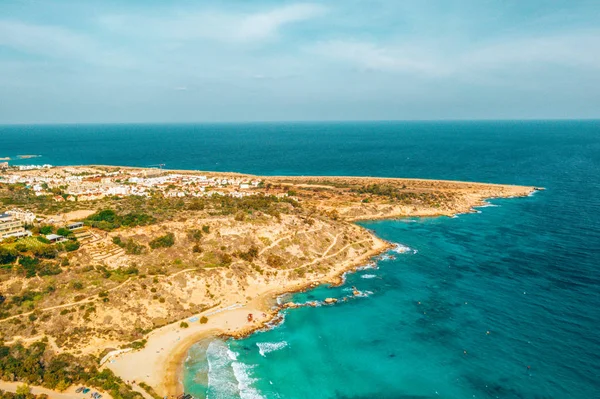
x=160, y=363
x=164, y=356
x=173, y=379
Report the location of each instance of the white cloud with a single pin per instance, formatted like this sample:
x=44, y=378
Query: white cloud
x=431, y=59
x=568, y=49
x=58, y=43
x=216, y=25
x=371, y=56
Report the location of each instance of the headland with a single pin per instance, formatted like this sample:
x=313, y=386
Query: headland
x=149, y=261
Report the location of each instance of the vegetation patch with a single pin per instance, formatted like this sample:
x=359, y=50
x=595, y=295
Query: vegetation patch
x=108, y=219
x=168, y=240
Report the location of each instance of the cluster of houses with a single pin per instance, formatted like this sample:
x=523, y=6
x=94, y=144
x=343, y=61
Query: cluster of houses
x=77, y=186
x=33, y=167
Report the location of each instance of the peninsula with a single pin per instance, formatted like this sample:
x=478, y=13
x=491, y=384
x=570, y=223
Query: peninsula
x=119, y=270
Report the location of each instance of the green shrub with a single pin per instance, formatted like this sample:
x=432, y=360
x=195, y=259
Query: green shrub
x=71, y=246
x=49, y=269
x=45, y=230
x=64, y=232
x=138, y=344
x=195, y=234
x=28, y=265
x=275, y=261
x=163, y=241
x=21, y=247
x=7, y=255
x=43, y=240
x=108, y=219
x=47, y=251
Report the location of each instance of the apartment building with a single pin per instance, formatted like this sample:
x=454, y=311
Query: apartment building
x=10, y=226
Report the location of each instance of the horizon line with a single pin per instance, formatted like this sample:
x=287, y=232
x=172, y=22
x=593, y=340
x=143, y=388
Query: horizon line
x=300, y=121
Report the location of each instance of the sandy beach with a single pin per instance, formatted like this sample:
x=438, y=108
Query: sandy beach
x=160, y=362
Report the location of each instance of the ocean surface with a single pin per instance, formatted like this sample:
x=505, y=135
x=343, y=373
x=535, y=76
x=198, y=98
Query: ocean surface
x=503, y=303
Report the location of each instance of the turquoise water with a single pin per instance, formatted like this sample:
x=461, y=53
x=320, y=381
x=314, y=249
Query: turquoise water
x=524, y=270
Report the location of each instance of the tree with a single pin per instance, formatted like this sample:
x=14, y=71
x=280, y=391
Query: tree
x=71, y=246
x=46, y=229
x=7, y=255
x=62, y=385
x=64, y=232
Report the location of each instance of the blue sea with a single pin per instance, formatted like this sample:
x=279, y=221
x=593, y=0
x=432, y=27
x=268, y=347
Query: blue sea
x=503, y=303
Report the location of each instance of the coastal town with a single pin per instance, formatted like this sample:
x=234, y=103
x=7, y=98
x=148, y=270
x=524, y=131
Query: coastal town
x=91, y=184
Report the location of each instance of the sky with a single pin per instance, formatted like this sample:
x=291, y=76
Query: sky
x=150, y=61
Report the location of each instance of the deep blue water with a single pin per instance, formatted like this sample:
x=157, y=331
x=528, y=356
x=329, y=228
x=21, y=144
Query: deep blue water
x=526, y=270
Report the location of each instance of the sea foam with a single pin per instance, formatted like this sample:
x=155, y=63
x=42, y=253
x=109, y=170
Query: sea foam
x=228, y=377
x=403, y=249
x=268, y=347
x=245, y=381
x=222, y=382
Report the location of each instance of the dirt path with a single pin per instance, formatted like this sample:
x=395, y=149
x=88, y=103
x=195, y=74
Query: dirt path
x=335, y=239
x=323, y=257
x=277, y=241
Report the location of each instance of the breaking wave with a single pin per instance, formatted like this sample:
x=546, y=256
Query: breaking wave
x=370, y=265
x=385, y=257
x=368, y=276
x=245, y=381
x=402, y=249
x=227, y=377
x=268, y=347
x=488, y=205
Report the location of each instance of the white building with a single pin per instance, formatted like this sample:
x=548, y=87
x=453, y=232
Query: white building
x=21, y=215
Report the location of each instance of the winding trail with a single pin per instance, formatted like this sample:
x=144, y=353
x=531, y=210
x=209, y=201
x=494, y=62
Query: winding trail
x=324, y=256
x=335, y=239
x=66, y=305
x=277, y=241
